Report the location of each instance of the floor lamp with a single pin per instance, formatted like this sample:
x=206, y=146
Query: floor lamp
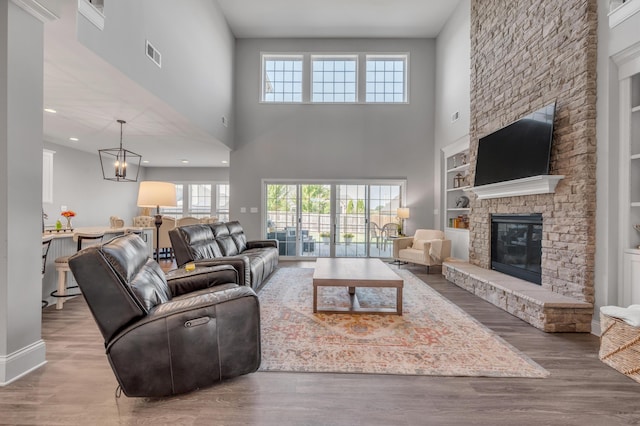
x=157, y=194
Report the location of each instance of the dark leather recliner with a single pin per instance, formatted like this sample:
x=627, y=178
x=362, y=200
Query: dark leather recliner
x=167, y=335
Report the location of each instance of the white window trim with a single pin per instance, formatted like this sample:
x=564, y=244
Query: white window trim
x=284, y=56
x=185, y=203
x=338, y=57
x=361, y=76
x=403, y=56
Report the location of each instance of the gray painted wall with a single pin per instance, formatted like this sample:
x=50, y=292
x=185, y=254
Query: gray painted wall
x=187, y=174
x=78, y=184
x=312, y=141
x=453, y=81
x=21, y=84
x=196, y=77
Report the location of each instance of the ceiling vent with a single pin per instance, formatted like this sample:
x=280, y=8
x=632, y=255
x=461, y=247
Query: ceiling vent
x=154, y=55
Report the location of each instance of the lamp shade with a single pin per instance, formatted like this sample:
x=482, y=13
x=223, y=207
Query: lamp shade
x=156, y=194
x=403, y=212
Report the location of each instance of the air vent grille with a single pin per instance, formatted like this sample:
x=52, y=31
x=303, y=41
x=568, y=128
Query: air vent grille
x=153, y=54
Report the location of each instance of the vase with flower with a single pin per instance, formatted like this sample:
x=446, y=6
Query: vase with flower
x=68, y=214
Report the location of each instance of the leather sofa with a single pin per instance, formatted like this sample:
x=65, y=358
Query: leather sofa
x=167, y=335
x=225, y=243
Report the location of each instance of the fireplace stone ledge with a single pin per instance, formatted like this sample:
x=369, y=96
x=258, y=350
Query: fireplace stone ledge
x=542, y=308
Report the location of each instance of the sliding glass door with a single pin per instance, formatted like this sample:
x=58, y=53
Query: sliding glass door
x=332, y=219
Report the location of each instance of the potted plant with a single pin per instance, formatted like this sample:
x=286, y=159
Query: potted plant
x=348, y=237
x=324, y=236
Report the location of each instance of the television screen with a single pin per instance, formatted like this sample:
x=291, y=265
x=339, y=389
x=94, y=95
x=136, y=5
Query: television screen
x=521, y=149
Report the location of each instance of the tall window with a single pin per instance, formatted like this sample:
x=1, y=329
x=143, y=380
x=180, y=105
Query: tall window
x=222, y=202
x=281, y=78
x=334, y=79
x=387, y=78
x=200, y=200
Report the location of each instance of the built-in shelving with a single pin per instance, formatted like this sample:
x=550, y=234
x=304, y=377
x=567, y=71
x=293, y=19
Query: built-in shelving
x=456, y=180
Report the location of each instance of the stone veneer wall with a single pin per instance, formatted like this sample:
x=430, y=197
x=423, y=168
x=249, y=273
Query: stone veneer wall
x=524, y=55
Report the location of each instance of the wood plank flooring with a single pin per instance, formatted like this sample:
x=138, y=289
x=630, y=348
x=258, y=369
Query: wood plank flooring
x=76, y=386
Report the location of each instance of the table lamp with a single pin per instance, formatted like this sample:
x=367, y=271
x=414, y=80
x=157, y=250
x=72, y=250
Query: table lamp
x=403, y=213
x=157, y=194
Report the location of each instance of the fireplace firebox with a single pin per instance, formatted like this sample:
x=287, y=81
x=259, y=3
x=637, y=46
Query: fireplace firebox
x=516, y=246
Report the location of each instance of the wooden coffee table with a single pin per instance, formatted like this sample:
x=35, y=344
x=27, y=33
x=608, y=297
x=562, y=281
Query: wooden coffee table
x=352, y=273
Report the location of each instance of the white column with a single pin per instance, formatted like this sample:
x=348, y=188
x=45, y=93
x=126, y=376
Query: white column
x=21, y=86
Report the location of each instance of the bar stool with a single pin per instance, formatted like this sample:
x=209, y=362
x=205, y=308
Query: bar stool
x=46, y=243
x=62, y=266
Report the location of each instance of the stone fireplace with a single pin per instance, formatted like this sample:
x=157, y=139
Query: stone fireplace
x=514, y=72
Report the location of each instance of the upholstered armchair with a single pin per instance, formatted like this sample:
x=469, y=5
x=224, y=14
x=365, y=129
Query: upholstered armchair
x=171, y=334
x=427, y=247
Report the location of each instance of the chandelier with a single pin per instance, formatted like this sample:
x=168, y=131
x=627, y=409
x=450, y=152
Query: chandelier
x=116, y=161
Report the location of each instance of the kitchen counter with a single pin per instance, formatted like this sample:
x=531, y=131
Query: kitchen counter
x=66, y=233
x=63, y=244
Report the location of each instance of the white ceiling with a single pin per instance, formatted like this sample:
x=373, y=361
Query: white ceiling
x=337, y=18
x=89, y=95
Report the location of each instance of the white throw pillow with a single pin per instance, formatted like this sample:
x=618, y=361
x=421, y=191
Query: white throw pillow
x=630, y=315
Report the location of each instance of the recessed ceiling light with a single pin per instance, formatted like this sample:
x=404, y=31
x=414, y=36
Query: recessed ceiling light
x=184, y=161
x=224, y=161
x=74, y=139
x=145, y=161
x=52, y=111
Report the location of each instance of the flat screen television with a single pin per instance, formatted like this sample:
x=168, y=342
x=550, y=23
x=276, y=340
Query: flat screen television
x=521, y=149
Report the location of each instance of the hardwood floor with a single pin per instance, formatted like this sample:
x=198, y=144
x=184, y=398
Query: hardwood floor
x=76, y=386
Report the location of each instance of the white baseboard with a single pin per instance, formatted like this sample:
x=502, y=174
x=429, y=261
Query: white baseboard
x=22, y=362
x=595, y=327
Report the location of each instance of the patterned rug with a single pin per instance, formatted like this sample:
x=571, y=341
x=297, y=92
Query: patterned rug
x=433, y=336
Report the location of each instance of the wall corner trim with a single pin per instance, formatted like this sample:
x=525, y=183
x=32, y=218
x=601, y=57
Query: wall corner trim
x=37, y=10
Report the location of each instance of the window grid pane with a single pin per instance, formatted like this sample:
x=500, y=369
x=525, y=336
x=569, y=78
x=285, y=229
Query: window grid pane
x=174, y=211
x=282, y=79
x=199, y=199
x=334, y=80
x=386, y=80
x=222, y=202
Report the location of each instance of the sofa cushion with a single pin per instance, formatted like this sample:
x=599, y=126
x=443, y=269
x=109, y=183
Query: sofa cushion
x=227, y=245
x=219, y=229
x=412, y=254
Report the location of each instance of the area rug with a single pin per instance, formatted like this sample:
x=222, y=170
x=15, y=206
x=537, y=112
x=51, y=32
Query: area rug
x=433, y=336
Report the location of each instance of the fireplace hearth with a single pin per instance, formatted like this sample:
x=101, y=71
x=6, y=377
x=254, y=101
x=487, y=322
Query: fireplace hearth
x=516, y=246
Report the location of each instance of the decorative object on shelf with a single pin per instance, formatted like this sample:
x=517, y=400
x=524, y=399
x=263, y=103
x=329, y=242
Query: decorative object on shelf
x=58, y=225
x=458, y=180
x=157, y=194
x=462, y=202
x=464, y=158
x=68, y=214
x=403, y=213
x=637, y=228
x=115, y=161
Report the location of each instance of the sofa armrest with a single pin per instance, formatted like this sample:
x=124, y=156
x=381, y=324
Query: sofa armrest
x=445, y=250
x=182, y=282
x=240, y=263
x=438, y=250
x=262, y=244
x=399, y=244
